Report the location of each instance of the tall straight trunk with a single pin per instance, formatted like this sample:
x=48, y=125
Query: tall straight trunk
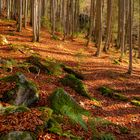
x=139, y=32
x=99, y=29
x=109, y=21
x=64, y=17
x=25, y=13
x=8, y=9
x=0, y=7
x=130, y=37
x=72, y=19
x=20, y=16
x=53, y=16
x=76, y=15
x=91, y=23
x=31, y=11
x=119, y=24
x=122, y=41
x=34, y=10
x=38, y=20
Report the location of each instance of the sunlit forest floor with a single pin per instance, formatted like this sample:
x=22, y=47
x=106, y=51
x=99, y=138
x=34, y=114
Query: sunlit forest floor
x=102, y=71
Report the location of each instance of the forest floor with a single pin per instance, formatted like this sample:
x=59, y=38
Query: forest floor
x=98, y=72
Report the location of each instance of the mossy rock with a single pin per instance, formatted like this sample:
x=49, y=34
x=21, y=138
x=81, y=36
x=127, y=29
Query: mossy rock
x=46, y=66
x=54, y=127
x=136, y=98
x=64, y=104
x=112, y=94
x=24, y=93
x=45, y=117
x=17, y=135
x=106, y=91
x=135, y=102
x=71, y=70
x=120, y=97
x=53, y=67
x=37, y=61
x=13, y=109
x=76, y=84
x=34, y=69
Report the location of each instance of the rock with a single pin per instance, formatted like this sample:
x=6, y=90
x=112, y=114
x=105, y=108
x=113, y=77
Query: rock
x=112, y=94
x=24, y=93
x=76, y=84
x=71, y=70
x=135, y=102
x=106, y=91
x=3, y=40
x=46, y=66
x=17, y=135
x=62, y=103
x=34, y=69
x=13, y=109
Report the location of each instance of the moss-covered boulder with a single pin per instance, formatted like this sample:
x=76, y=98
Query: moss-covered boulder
x=112, y=94
x=135, y=102
x=76, y=84
x=106, y=91
x=37, y=61
x=34, y=69
x=71, y=70
x=64, y=104
x=17, y=135
x=24, y=93
x=120, y=97
x=13, y=109
x=46, y=66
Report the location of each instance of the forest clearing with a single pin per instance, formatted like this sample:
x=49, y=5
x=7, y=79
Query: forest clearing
x=57, y=85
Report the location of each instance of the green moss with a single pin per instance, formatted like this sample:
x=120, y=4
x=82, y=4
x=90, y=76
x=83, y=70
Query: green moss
x=116, y=62
x=111, y=93
x=55, y=37
x=123, y=130
x=136, y=98
x=46, y=113
x=106, y=91
x=47, y=66
x=120, y=97
x=17, y=135
x=13, y=109
x=63, y=104
x=24, y=93
x=54, y=127
x=53, y=67
x=71, y=70
x=135, y=102
x=76, y=84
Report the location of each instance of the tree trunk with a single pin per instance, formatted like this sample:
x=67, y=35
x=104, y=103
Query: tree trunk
x=20, y=17
x=122, y=39
x=130, y=38
x=99, y=28
x=109, y=20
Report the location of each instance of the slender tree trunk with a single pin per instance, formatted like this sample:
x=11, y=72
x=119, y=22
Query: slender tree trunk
x=99, y=29
x=25, y=13
x=20, y=17
x=122, y=41
x=109, y=21
x=8, y=9
x=139, y=32
x=130, y=39
x=34, y=10
x=91, y=23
